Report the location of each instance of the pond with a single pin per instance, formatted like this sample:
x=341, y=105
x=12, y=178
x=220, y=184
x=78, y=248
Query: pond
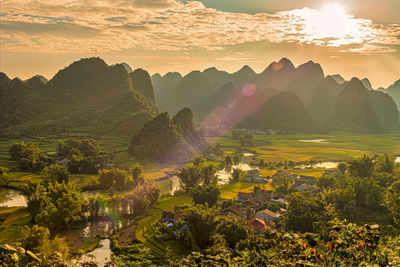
x=319, y=141
x=321, y=165
x=101, y=255
x=224, y=176
x=11, y=198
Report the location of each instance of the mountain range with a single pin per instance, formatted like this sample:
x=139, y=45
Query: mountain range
x=282, y=97
x=91, y=96
x=87, y=95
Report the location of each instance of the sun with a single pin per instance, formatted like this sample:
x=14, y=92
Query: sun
x=331, y=21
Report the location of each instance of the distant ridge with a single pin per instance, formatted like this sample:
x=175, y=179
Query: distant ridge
x=216, y=92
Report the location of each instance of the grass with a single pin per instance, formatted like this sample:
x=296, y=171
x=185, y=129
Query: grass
x=145, y=228
x=230, y=191
x=341, y=146
x=12, y=219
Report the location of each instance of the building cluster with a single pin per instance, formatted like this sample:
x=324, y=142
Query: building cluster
x=249, y=206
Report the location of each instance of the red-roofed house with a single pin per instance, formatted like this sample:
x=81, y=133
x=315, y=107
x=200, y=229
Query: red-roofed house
x=258, y=225
x=178, y=217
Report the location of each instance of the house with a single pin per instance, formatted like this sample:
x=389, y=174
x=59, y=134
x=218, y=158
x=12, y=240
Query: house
x=280, y=200
x=258, y=225
x=63, y=162
x=178, y=217
x=242, y=196
x=268, y=216
x=235, y=211
x=251, y=203
x=261, y=199
x=254, y=176
x=262, y=192
x=254, y=173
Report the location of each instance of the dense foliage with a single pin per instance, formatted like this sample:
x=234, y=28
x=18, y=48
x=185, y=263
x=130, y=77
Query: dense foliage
x=81, y=156
x=160, y=140
x=28, y=156
x=55, y=206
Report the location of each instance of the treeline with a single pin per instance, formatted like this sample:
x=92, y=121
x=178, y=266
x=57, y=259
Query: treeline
x=80, y=156
x=364, y=190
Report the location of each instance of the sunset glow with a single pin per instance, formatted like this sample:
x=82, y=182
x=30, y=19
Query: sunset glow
x=187, y=33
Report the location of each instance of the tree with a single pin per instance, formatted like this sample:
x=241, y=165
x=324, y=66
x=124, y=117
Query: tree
x=28, y=156
x=236, y=159
x=55, y=206
x=201, y=221
x=137, y=173
x=392, y=201
x=385, y=164
x=88, y=148
x=38, y=239
x=208, y=173
x=55, y=173
x=203, y=194
x=228, y=161
x=342, y=167
x=237, y=175
x=283, y=183
x=120, y=179
x=261, y=163
x=361, y=167
x=190, y=176
x=4, y=177
x=326, y=181
x=303, y=211
x=234, y=230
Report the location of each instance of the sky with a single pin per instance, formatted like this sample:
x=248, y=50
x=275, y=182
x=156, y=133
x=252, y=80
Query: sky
x=355, y=38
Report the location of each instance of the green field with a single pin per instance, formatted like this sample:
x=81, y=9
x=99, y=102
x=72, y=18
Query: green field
x=273, y=149
x=339, y=146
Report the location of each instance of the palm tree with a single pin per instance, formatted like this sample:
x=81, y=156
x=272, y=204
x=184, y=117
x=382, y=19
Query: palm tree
x=361, y=167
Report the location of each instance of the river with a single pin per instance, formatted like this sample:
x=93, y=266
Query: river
x=11, y=198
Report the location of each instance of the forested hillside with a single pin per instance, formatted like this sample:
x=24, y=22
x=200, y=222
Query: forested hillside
x=87, y=94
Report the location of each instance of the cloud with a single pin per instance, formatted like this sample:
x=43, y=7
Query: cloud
x=48, y=26
x=369, y=49
x=154, y=3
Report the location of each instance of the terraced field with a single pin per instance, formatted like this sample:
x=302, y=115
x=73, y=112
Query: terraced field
x=336, y=147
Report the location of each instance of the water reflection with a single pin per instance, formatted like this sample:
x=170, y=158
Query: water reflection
x=11, y=198
x=101, y=255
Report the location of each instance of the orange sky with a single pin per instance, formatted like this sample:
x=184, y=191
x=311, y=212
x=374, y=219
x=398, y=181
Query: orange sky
x=41, y=37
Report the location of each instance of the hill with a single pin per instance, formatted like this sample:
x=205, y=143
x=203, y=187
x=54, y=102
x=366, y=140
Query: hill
x=283, y=112
x=164, y=86
x=87, y=94
x=190, y=92
x=165, y=139
x=394, y=91
x=358, y=109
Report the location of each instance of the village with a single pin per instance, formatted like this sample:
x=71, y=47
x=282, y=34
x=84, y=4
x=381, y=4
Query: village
x=263, y=209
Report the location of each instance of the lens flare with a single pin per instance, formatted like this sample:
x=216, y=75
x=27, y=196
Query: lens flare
x=249, y=89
